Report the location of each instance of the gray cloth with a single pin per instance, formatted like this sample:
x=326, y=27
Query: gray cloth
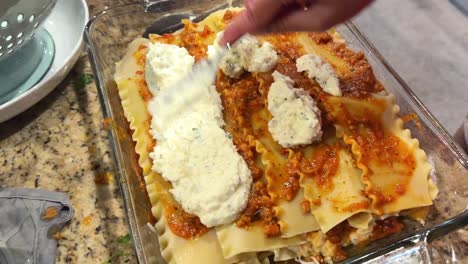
x=26, y=236
x=426, y=42
x=462, y=4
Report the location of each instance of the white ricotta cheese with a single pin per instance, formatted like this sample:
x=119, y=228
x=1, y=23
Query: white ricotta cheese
x=323, y=72
x=165, y=65
x=169, y=106
x=231, y=64
x=296, y=118
x=249, y=55
x=209, y=178
x=264, y=59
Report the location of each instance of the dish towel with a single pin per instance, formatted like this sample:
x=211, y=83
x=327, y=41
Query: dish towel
x=29, y=220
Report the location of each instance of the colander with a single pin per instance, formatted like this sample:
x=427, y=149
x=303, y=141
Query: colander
x=19, y=20
x=26, y=50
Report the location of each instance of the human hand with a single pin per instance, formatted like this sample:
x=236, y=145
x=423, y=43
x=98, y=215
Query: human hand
x=268, y=16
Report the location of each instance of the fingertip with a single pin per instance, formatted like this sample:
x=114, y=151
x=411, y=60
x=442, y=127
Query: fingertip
x=229, y=36
x=238, y=27
x=254, y=18
x=223, y=41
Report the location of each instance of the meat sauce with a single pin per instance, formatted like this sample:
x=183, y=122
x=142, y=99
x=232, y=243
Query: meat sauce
x=361, y=82
x=260, y=208
x=389, y=162
x=386, y=151
x=383, y=228
x=414, y=118
x=140, y=57
x=182, y=223
x=386, y=227
x=196, y=39
x=241, y=98
x=322, y=166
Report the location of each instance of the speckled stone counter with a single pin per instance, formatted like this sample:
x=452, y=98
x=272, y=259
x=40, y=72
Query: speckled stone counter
x=60, y=144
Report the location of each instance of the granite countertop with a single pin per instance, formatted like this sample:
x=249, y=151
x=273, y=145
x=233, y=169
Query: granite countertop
x=60, y=144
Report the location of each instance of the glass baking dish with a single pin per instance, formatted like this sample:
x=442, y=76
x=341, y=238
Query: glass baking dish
x=107, y=37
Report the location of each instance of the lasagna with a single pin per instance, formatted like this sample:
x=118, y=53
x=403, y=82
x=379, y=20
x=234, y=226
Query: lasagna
x=294, y=152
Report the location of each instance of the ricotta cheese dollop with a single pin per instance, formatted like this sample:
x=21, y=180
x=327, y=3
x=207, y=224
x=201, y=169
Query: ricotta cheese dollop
x=165, y=64
x=323, y=72
x=295, y=115
x=209, y=178
x=248, y=55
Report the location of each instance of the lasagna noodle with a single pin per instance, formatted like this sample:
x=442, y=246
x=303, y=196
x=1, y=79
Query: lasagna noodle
x=230, y=244
x=205, y=249
x=420, y=190
x=249, y=258
x=396, y=185
x=239, y=241
x=343, y=200
x=284, y=254
x=292, y=221
x=360, y=220
x=235, y=240
x=215, y=20
x=175, y=250
x=394, y=124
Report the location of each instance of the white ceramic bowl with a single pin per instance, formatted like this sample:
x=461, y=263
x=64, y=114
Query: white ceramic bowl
x=66, y=24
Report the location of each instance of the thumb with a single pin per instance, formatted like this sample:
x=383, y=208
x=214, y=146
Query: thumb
x=315, y=19
x=319, y=17
x=257, y=14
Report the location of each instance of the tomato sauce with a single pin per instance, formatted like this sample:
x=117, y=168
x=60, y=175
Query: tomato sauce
x=322, y=166
x=414, y=118
x=385, y=152
x=305, y=207
x=386, y=227
x=182, y=223
x=361, y=82
x=260, y=208
x=240, y=100
x=229, y=16
x=140, y=55
x=196, y=39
